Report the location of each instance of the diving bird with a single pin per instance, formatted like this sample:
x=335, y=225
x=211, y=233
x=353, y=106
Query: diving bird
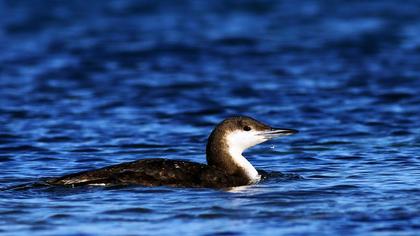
x=226, y=166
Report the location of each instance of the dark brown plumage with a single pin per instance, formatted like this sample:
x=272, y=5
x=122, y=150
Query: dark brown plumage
x=221, y=171
x=154, y=172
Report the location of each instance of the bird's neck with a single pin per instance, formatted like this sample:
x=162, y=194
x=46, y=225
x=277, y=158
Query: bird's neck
x=230, y=159
x=244, y=166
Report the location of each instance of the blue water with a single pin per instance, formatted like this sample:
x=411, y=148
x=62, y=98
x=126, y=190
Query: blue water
x=86, y=84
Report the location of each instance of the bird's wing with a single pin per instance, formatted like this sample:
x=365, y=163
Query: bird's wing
x=144, y=172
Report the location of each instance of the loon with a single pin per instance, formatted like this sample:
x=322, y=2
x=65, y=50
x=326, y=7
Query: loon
x=226, y=166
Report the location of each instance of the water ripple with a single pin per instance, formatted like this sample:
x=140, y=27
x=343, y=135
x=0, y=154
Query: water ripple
x=88, y=85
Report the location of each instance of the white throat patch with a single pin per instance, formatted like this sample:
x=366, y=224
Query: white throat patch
x=239, y=141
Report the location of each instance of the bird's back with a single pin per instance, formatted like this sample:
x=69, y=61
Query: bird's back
x=153, y=172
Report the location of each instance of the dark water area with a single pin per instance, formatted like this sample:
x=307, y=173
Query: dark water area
x=85, y=84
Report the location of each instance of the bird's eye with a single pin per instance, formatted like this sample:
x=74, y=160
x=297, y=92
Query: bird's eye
x=247, y=128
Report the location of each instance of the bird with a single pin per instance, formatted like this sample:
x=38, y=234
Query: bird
x=226, y=166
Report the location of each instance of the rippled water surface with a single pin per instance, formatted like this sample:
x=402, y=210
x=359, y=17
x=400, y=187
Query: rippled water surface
x=85, y=84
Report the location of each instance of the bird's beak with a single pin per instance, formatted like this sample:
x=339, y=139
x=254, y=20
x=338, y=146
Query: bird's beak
x=276, y=132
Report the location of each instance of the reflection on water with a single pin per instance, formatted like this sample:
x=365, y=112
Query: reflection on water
x=88, y=85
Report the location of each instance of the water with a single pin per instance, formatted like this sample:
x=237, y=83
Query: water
x=85, y=85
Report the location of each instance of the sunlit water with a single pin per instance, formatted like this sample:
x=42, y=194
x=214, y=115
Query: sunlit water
x=85, y=84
